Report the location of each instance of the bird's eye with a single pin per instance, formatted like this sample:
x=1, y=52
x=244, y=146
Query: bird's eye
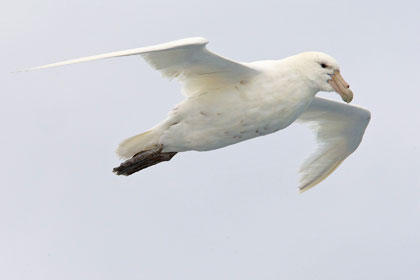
x=323, y=65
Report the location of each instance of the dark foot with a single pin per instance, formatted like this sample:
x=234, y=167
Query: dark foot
x=143, y=160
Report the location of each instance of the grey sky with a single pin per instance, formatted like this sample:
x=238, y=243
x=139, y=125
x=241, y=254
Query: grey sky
x=232, y=213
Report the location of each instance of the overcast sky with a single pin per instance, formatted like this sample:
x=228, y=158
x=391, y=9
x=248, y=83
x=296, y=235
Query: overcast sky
x=233, y=213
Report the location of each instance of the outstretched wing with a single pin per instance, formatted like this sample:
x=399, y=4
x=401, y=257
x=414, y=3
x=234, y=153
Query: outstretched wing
x=339, y=129
x=188, y=60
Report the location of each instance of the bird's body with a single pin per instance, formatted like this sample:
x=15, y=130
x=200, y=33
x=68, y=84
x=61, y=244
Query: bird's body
x=230, y=115
x=229, y=102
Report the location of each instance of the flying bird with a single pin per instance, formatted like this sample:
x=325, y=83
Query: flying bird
x=228, y=102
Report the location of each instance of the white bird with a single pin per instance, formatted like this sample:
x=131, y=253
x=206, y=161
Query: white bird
x=228, y=102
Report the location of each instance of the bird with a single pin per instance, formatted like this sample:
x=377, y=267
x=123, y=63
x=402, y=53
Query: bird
x=227, y=102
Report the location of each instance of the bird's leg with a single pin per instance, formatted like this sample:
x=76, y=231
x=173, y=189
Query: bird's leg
x=143, y=160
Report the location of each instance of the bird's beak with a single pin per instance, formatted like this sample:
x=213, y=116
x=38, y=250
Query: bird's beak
x=341, y=87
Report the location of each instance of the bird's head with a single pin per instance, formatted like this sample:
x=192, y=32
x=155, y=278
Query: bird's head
x=323, y=73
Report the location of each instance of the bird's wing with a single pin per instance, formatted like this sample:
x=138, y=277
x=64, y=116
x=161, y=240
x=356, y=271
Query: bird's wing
x=188, y=60
x=339, y=130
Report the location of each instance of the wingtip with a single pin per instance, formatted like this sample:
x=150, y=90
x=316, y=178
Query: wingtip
x=306, y=188
x=318, y=180
x=18, y=71
x=27, y=70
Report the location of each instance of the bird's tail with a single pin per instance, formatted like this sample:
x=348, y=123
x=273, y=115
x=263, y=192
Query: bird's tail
x=139, y=143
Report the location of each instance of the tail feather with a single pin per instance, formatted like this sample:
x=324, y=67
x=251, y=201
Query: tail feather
x=141, y=142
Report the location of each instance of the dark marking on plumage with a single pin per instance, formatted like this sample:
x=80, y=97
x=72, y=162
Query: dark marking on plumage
x=209, y=73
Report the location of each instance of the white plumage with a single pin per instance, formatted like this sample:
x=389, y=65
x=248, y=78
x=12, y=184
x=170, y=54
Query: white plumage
x=229, y=102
